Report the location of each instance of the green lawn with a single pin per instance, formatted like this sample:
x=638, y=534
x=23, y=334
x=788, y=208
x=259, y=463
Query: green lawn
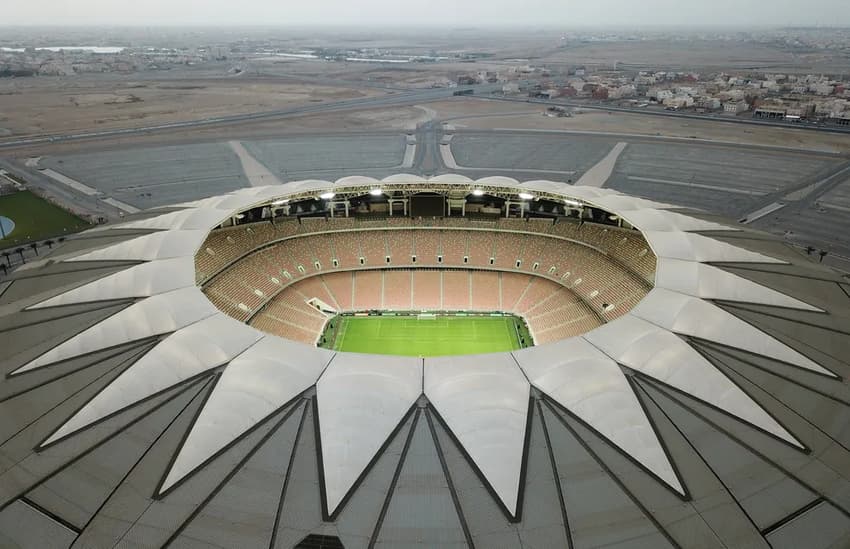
x=35, y=219
x=410, y=336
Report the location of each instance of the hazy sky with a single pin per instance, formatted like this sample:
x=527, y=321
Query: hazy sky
x=428, y=12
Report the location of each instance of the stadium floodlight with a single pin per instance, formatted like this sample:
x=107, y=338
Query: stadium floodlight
x=376, y=192
x=570, y=202
x=477, y=192
x=526, y=196
x=240, y=216
x=279, y=202
x=328, y=195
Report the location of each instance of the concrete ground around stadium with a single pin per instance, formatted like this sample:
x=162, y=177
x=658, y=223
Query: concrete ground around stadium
x=296, y=156
x=730, y=170
x=158, y=176
x=538, y=152
x=740, y=171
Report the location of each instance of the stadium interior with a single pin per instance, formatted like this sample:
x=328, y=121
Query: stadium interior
x=287, y=269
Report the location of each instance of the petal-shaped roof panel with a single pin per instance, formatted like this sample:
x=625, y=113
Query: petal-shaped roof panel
x=620, y=203
x=464, y=390
x=403, y=178
x=246, y=198
x=709, y=282
x=361, y=399
x=161, y=245
x=160, y=314
x=498, y=181
x=186, y=353
x=258, y=382
x=543, y=185
x=651, y=219
x=355, y=180
x=662, y=355
x=202, y=218
x=583, y=192
x=691, y=316
x=696, y=247
x=142, y=280
x=306, y=185
x=588, y=383
x=450, y=178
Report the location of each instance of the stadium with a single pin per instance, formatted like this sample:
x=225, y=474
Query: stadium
x=425, y=362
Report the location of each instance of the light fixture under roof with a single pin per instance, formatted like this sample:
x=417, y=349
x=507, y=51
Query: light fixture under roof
x=571, y=202
x=376, y=192
x=526, y=196
x=280, y=202
x=328, y=195
x=477, y=192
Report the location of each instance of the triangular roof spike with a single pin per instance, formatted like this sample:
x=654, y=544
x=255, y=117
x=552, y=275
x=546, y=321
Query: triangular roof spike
x=184, y=354
x=590, y=385
x=662, y=355
x=361, y=400
x=258, y=382
x=160, y=314
x=463, y=390
x=142, y=280
x=710, y=282
x=695, y=317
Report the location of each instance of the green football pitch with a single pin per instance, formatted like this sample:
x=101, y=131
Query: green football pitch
x=411, y=336
x=35, y=219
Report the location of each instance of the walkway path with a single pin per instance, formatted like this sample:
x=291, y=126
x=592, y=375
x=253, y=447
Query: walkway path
x=258, y=175
x=598, y=175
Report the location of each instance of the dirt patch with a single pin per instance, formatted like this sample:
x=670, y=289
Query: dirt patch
x=96, y=99
x=50, y=106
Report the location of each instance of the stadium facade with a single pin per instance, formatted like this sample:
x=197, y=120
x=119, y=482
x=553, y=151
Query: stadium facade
x=713, y=412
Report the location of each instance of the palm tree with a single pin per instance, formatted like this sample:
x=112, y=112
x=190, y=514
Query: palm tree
x=6, y=255
x=34, y=246
x=20, y=251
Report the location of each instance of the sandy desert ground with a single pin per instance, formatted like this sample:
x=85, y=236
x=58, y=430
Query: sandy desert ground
x=55, y=105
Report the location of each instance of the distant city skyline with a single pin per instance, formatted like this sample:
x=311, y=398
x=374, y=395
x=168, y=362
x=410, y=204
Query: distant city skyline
x=564, y=13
